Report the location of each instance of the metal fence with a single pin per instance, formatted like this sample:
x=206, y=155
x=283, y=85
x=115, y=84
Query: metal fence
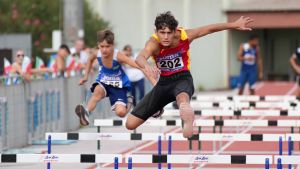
x=28, y=110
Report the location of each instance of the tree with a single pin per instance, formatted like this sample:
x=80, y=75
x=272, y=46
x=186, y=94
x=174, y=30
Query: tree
x=40, y=18
x=92, y=24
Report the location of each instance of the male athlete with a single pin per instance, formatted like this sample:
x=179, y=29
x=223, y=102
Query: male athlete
x=294, y=61
x=170, y=48
x=111, y=81
x=250, y=56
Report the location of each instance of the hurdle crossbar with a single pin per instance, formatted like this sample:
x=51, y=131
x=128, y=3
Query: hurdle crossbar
x=105, y=136
x=240, y=105
x=203, y=123
x=175, y=136
x=59, y=158
x=208, y=159
x=245, y=98
x=229, y=137
x=291, y=113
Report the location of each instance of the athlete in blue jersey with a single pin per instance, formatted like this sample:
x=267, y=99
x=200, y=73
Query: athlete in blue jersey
x=249, y=55
x=294, y=61
x=111, y=81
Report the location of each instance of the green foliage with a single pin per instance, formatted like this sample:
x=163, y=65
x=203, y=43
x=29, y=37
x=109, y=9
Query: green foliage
x=92, y=24
x=200, y=88
x=40, y=18
x=31, y=16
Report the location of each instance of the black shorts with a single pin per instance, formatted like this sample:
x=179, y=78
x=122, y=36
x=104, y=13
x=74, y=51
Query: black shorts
x=116, y=95
x=164, y=93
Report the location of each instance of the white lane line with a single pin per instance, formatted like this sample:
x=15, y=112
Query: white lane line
x=293, y=89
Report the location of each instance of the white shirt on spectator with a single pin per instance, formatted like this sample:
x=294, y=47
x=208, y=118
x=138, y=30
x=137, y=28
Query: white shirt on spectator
x=83, y=58
x=133, y=74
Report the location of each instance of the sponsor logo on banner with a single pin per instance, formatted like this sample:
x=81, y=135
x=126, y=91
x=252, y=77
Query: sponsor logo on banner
x=247, y=123
x=105, y=136
x=200, y=159
x=50, y=158
x=227, y=136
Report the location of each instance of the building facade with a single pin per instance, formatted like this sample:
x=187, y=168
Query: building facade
x=213, y=58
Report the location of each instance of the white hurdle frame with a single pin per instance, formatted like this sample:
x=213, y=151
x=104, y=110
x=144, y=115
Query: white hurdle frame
x=239, y=105
x=203, y=123
x=245, y=98
x=59, y=158
x=201, y=158
x=239, y=113
x=285, y=159
x=175, y=136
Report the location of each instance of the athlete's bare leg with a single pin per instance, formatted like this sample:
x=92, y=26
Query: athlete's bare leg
x=298, y=91
x=252, y=91
x=121, y=110
x=186, y=113
x=241, y=90
x=133, y=122
x=98, y=94
x=82, y=112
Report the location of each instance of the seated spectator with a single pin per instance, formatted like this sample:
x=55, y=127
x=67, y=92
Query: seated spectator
x=17, y=67
x=80, y=54
x=57, y=61
x=135, y=76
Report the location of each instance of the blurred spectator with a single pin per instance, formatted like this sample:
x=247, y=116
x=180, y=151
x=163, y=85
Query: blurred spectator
x=294, y=60
x=39, y=67
x=23, y=67
x=80, y=54
x=16, y=68
x=58, y=65
x=250, y=56
x=135, y=76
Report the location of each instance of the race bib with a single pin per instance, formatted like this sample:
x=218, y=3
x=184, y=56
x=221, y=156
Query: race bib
x=170, y=63
x=250, y=62
x=112, y=81
x=117, y=84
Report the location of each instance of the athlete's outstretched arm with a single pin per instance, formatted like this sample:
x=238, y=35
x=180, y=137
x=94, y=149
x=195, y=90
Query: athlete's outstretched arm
x=150, y=72
x=294, y=64
x=92, y=57
x=126, y=60
x=240, y=24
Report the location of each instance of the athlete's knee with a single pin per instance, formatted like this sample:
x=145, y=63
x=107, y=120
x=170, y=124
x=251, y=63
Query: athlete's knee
x=130, y=125
x=182, y=98
x=121, y=111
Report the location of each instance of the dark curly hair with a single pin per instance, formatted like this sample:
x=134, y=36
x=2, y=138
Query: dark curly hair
x=166, y=20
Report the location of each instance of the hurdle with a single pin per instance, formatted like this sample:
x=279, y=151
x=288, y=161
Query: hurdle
x=198, y=159
x=175, y=136
x=245, y=98
x=105, y=136
x=240, y=105
x=238, y=113
x=203, y=123
x=147, y=158
x=59, y=158
x=285, y=159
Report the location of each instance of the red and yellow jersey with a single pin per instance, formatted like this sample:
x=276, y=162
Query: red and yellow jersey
x=174, y=60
